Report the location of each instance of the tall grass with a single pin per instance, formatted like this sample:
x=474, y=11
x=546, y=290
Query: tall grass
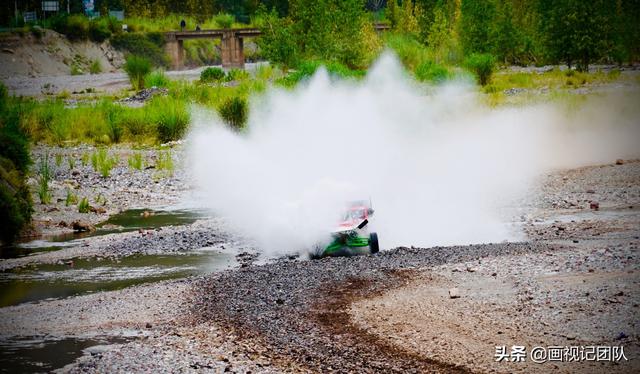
x=482, y=66
x=156, y=78
x=171, y=118
x=83, y=206
x=135, y=161
x=103, y=163
x=137, y=68
x=165, y=161
x=44, y=176
x=212, y=74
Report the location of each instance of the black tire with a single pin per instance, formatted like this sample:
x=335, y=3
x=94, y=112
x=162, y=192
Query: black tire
x=374, y=247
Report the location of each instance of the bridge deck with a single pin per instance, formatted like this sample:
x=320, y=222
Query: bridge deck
x=217, y=33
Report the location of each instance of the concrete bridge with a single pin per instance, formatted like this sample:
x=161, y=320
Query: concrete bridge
x=231, y=46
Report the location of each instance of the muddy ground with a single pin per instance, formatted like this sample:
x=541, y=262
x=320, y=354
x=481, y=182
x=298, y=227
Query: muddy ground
x=573, y=283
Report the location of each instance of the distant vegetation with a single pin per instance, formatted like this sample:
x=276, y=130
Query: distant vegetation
x=435, y=41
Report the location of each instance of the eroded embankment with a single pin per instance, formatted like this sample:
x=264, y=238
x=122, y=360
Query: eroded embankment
x=299, y=310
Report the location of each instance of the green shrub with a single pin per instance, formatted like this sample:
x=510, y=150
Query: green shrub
x=95, y=67
x=429, y=71
x=77, y=27
x=58, y=159
x=234, y=112
x=75, y=69
x=149, y=45
x=71, y=160
x=15, y=207
x=171, y=118
x=99, y=29
x=137, y=67
x=223, y=20
x=36, y=31
x=212, y=74
x=482, y=65
x=14, y=144
x=83, y=206
x=156, y=78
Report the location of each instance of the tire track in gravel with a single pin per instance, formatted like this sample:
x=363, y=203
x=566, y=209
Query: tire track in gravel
x=296, y=311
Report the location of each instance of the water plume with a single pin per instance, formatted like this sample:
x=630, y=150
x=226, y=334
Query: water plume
x=437, y=164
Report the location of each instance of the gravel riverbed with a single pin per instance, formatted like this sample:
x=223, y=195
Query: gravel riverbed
x=573, y=282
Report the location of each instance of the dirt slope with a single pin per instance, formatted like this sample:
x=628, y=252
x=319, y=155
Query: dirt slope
x=52, y=55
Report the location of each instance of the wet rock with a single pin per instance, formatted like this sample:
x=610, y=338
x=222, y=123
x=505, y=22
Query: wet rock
x=8, y=50
x=82, y=226
x=97, y=350
x=594, y=205
x=619, y=161
x=454, y=293
x=148, y=325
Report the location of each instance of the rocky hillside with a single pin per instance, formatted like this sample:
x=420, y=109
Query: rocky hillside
x=52, y=54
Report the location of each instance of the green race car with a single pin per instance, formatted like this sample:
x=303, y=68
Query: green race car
x=352, y=237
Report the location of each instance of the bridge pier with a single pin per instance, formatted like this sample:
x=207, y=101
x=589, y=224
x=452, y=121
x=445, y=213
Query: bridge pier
x=175, y=49
x=232, y=50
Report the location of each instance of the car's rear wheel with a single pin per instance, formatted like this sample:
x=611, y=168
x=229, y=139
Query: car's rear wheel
x=373, y=243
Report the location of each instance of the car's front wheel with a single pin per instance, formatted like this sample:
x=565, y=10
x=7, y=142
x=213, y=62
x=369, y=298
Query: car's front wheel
x=374, y=247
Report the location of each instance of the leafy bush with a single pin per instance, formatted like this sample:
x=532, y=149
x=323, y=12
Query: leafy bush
x=99, y=30
x=212, y=74
x=15, y=198
x=15, y=205
x=223, y=20
x=14, y=144
x=171, y=118
x=76, y=27
x=482, y=65
x=429, y=71
x=137, y=67
x=234, y=112
x=36, y=31
x=156, y=78
x=149, y=45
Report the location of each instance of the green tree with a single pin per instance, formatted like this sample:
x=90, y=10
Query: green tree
x=278, y=41
x=475, y=25
x=439, y=36
x=576, y=31
x=505, y=36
